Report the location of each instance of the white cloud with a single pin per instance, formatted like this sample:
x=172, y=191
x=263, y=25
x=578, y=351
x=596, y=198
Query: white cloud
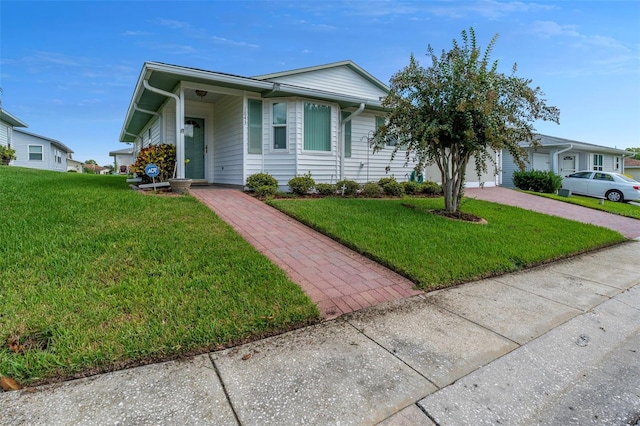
x=173, y=24
x=222, y=40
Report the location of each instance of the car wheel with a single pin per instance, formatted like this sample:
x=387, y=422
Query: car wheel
x=615, y=195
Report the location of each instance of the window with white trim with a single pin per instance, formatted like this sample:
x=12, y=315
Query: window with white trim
x=317, y=127
x=597, y=162
x=279, y=125
x=35, y=152
x=617, y=163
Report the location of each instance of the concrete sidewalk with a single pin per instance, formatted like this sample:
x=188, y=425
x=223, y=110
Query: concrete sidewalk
x=557, y=344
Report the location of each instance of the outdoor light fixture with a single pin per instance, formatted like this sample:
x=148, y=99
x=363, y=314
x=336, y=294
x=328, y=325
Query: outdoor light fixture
x=201, y=93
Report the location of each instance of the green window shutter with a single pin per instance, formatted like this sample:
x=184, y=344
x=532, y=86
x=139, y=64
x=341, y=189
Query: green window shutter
x=255, y=126
x=380, y=123
x=317, y=127
x=347, y=135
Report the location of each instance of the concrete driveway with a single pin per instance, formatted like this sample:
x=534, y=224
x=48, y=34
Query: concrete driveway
x=628, y=227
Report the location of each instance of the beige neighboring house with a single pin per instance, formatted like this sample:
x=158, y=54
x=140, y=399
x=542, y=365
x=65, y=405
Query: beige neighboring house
x=122, y=159
x=74, y=165
x=632, y=168
x=99, y=170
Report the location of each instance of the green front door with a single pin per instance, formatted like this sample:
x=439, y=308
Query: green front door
x=194, y=148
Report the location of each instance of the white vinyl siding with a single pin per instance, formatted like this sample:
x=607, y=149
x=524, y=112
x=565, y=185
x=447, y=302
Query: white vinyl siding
x=227, y=141
x=343, y=80
x=5, y=134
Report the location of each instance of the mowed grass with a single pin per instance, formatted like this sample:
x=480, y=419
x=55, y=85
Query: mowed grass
x=622, y=209
x=434, y=251
x=95, y=277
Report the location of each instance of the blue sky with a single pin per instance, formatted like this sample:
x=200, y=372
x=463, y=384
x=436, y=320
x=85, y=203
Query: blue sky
x=68, y=69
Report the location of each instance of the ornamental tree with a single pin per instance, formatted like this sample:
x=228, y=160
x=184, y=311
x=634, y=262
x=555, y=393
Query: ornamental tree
x=458, y=109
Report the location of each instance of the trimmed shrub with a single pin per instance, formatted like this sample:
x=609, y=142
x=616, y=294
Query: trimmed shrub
x=430, y=188
x=351, y=187
x=385, y=180
x=266, y=190
x=326, y=189
x=371, y=190
x=393, y=188
x=163, y=156
x=260, y=180
x=301, y=185
x=537, y=180
x=410, y=188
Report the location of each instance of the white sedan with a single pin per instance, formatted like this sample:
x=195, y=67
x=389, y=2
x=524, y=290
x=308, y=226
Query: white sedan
x=609, y=185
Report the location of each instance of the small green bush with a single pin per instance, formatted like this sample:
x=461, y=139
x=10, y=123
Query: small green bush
x=301, y=185
x=410, y=188
x=537, y=180
x=260, y=180
x=372, y=190
x=351, y=187
x=326, y=189
x=266, y=190
x=430, y=188
x=393, y=188
x=385, y=180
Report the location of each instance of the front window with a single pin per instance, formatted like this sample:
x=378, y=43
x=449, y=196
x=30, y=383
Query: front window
x=617, y=163
x=317, y=127
x=35, y=152
x=597, y=162
x=280, y=125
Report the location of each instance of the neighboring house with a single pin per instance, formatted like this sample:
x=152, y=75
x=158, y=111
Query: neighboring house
x=632, y=167
x=122, y=159
x=74, y=165
x=315, y=119
x=96, y=169
x=39, y=152
x=7, y=124
x=564, y=156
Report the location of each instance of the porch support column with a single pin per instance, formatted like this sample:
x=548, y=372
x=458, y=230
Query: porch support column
x=179, y=124
x=180, y=135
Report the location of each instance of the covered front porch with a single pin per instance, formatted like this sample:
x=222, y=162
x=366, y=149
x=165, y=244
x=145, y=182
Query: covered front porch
x=206, y=122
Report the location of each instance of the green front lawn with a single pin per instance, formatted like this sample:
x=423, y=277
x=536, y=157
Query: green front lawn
x=434, y=251
x=95, y=276
x=622, y=209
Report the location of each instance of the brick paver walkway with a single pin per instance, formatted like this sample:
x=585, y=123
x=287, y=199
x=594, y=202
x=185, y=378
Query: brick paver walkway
x=337, y=279
x=628, y=227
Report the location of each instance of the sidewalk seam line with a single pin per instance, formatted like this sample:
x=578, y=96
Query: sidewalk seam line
x=426, y=413
x=476, y=323
x=224, y=388
x=394, y=355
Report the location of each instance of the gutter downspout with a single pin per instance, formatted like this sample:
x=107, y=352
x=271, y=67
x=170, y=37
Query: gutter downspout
x=342, y=130
x=556, y=157
x=179, y=134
